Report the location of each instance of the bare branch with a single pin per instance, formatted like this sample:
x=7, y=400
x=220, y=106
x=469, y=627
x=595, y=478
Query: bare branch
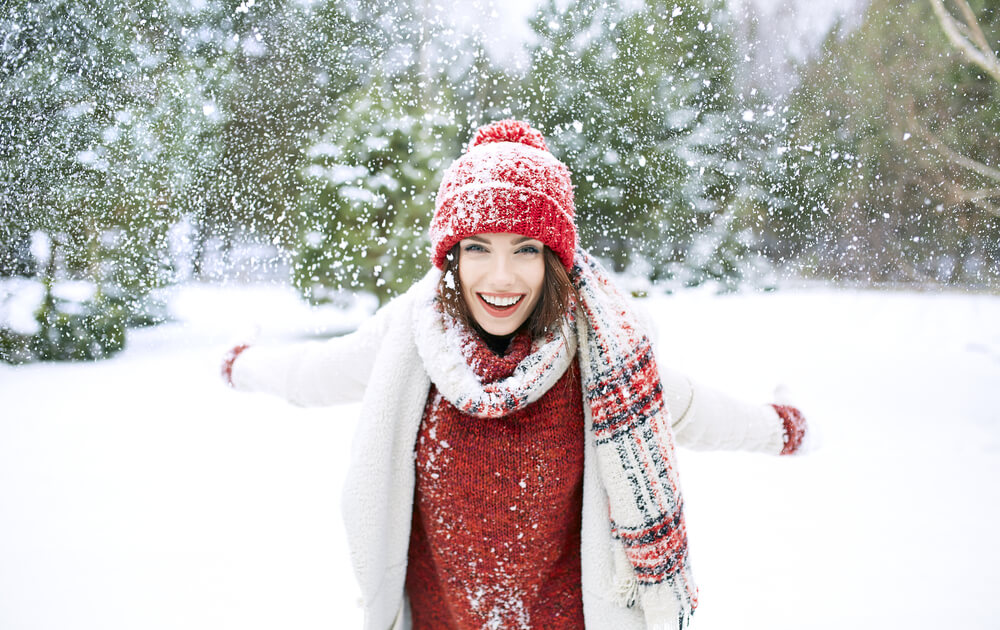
x=977, y=35
x=973, y=165
x=982, y=199
x=950, y=154
x=976, y=51
x=977, y=195
x=987, y=206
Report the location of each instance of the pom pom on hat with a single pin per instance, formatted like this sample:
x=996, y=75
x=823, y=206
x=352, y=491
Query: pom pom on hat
x=509, y=131
x=506, y=182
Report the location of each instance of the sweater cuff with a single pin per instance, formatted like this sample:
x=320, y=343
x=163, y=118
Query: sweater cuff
x=794, y=425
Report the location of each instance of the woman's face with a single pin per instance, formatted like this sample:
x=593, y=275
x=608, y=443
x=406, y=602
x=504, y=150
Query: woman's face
x=501, y=278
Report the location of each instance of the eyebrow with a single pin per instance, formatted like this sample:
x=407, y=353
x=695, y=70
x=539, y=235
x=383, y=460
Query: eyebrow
x=480, y=239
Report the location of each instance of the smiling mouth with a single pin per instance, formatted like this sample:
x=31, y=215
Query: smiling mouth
x=500, y=304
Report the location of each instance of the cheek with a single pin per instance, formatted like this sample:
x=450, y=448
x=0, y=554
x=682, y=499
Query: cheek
x=466, y=280
x=468, y=268
x=536, y=277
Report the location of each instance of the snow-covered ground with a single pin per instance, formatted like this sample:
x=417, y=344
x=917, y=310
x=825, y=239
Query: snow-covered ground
x=139, y=492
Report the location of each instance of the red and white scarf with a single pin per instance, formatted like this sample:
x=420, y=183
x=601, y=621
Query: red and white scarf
x=628, y=417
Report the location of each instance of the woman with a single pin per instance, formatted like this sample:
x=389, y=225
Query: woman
x=514, y=466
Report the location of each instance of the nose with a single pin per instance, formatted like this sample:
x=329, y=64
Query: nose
x=501, y=272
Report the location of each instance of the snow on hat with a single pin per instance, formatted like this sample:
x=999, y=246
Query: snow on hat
x=507, y=181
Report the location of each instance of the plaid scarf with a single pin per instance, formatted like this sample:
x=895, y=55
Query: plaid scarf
x=629, y=421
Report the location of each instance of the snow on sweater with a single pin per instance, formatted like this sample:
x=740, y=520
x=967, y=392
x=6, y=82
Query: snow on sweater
x=495, y=538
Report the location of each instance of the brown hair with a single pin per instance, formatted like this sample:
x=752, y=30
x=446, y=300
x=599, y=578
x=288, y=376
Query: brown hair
x=558, y=293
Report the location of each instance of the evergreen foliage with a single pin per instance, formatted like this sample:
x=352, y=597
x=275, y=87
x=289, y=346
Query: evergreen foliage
x=639, y=103
x=68, y=331
x=369, y=197
x=279, y=69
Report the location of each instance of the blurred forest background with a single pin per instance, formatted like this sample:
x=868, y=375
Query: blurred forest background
x=147, y=143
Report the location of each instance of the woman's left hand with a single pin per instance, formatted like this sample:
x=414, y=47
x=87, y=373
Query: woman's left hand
x=801, y=437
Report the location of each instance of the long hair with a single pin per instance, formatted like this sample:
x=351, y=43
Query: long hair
x=558, y=293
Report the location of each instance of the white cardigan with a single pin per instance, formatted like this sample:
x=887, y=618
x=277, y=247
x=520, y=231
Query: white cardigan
x=378, y=364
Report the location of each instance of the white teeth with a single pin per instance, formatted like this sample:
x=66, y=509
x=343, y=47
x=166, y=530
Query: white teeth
x=499, y=301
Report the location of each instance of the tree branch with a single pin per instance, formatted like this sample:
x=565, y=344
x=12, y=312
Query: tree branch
x=992, y=208
x=977, y=195
x=950, y=154
x=977, y=35
x=978, y=50
x=979, y=198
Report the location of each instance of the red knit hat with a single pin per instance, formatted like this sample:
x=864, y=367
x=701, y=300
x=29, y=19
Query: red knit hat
x=507, y=181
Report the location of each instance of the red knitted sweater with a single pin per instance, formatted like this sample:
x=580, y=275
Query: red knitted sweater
x=495, y=538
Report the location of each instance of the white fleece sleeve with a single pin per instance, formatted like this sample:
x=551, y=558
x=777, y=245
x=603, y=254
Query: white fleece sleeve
x=706, y=419
x=315, y=373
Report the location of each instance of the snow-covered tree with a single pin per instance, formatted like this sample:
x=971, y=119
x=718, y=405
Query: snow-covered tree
x=368, y=196
x=639, y=103
x=280, y=68
x=95, y=145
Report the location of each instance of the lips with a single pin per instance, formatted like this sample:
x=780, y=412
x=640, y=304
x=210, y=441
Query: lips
x=500, y=305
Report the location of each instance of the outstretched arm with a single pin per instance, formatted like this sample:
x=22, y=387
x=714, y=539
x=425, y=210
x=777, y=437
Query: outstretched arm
x=706, y=419
x=312, y=373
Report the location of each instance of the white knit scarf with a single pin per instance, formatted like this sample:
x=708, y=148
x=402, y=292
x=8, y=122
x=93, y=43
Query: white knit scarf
x=628, y=420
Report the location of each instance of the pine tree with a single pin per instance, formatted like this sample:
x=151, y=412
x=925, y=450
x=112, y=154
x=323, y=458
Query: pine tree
x=638, y=103
x=94, y=149
x=369, y=196
x=369, y=185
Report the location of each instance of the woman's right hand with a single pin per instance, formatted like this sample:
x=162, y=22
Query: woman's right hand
x=227, y=363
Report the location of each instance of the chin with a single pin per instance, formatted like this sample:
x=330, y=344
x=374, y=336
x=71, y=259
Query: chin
x=500, y=331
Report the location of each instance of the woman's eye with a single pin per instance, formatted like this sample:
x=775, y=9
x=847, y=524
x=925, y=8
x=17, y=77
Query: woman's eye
x=474, y=248
x=529, y=249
